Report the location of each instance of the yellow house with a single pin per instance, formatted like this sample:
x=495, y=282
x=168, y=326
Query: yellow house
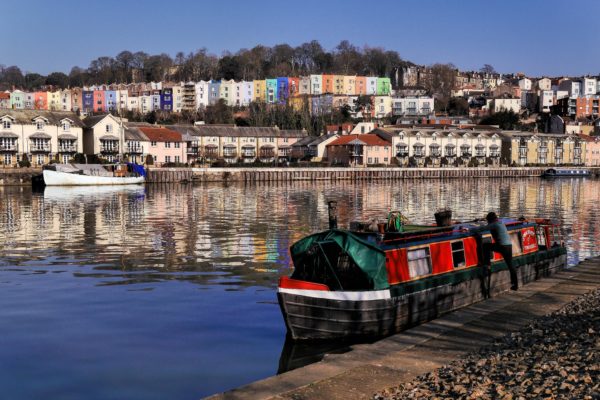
x=338, y=84
x=349, y=85
x=54, y=101
x=260, y=91
x=528, y=148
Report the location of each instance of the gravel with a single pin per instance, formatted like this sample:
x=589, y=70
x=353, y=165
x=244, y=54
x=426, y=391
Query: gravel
x=554, y=357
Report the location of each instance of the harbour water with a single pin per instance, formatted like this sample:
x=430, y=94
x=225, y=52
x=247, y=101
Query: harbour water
x=169, y=291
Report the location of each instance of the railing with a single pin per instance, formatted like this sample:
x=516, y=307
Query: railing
x=67, y=149
x=193, y=150
x=134, y=149
x=40, y=148
x=248, y=153
x=109, y=149
x=494, y=154
x=402, y=153
x=419, y=153
x=450, y=154
x=436, y=154
x=465, y=154
x=229, y=154
x=9, y=147
x=480, y=154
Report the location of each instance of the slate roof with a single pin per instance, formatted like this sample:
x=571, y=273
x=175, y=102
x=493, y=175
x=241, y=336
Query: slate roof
x=26, y=117
x=237, y=131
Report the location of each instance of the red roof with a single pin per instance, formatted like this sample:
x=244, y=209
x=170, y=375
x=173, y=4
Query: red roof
x=368, y=139
x=4, y=95
x=160, y=134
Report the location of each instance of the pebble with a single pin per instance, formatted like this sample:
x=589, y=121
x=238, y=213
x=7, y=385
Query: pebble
x=555, y=356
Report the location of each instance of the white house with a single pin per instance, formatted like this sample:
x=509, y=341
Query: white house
x=525, y=84
x=546, y=100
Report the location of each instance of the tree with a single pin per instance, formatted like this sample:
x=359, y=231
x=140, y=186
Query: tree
x=34, y=81
x=149, y=159
x=487, y=69
x=57, y=79
x=458, y=106
x=507, y=120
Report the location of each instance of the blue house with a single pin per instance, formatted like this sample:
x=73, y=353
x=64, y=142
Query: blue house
x=166, y=99
x=110, y=100
x=283, y=90
x=321, y=104
x=87, y=101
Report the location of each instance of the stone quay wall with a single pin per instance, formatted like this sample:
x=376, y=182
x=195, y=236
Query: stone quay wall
x=22, y=176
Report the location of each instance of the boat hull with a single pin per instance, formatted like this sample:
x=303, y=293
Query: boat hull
x=318, y=315
x=54, y=178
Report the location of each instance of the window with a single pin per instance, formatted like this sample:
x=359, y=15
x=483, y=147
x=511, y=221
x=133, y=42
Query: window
x=167, y=159
x=167, y=145
x=108, y=128
x=177, y=145
x=66, y=126
x=39, y=125
x=6, y=124
x=177, y=159
x=370, y=160
x=153, y=144
x=155, y=158
x=419, y=262
x=458, y=254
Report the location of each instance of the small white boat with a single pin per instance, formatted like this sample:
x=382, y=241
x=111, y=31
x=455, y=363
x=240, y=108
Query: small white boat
x=93, y=174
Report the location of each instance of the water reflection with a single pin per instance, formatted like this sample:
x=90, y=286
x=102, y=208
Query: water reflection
x=209, y=257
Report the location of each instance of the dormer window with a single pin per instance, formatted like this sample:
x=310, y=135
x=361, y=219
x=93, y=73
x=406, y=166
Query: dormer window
x=66, y=126
x=6, y=124
x=109, y=128
x=39, y=125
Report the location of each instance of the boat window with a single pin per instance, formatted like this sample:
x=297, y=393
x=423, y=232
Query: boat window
x=541, y=236
x=515, y=238
x=458, y=254
x=419, y=262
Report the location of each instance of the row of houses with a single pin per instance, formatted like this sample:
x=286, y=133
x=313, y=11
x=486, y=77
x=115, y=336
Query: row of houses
x=191, y=96
x=43, y=137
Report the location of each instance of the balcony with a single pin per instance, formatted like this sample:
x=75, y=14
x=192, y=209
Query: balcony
x=480, y=154
x=193, y=150
x=227, y=153
x=450, y=154
x=419, y=153
x=67, y=148
x=401, y=151
x=436, y=153
x=40, y=148
x=494, y=154
x=248, y=153
x=109, y=149
x=9, y=147
x=134, y=149
x=465, y=154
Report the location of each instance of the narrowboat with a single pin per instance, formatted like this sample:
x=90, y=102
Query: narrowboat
x=566, y=173
x=376, y=281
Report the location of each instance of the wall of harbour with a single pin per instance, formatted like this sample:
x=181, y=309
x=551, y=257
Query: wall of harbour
x=23, y=176
x=250, y=175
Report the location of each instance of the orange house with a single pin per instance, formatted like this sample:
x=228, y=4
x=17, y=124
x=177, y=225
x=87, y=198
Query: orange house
x=98, y=100
x=327, y=84
x=40, y=100
x=361, y=85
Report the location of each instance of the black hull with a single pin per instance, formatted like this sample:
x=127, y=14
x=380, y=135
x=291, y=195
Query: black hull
x=315, y=318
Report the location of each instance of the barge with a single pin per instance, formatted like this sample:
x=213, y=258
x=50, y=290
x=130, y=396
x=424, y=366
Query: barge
x=374, y=282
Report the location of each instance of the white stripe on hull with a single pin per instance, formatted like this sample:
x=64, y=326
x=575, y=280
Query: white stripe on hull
x=53, y=178
x=350, y=296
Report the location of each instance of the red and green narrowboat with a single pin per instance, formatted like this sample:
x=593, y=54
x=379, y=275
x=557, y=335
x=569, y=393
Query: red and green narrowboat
x=353, y=283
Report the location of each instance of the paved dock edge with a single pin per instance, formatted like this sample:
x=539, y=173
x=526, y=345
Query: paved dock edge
x=400, y=358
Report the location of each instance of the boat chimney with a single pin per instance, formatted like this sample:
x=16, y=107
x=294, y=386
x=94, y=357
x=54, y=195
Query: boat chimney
x=332, y=209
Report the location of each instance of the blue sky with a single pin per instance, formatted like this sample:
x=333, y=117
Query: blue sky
x=537, y=37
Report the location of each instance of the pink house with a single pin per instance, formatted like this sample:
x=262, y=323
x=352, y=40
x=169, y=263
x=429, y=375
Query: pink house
x=592, y=150
x=166, y=145
x=98, y=101
x=366, y=149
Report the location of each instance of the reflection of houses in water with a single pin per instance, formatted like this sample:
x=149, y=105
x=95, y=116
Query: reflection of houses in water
x=238, y=228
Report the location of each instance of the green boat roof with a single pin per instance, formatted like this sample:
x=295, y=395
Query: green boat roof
x=368, y=257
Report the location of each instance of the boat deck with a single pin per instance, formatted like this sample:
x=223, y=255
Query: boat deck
x=400, y=358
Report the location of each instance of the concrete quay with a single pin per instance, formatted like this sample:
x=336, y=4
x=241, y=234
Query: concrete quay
x=370, y=368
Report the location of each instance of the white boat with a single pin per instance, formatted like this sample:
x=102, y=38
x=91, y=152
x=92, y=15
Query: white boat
x=93, y=174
